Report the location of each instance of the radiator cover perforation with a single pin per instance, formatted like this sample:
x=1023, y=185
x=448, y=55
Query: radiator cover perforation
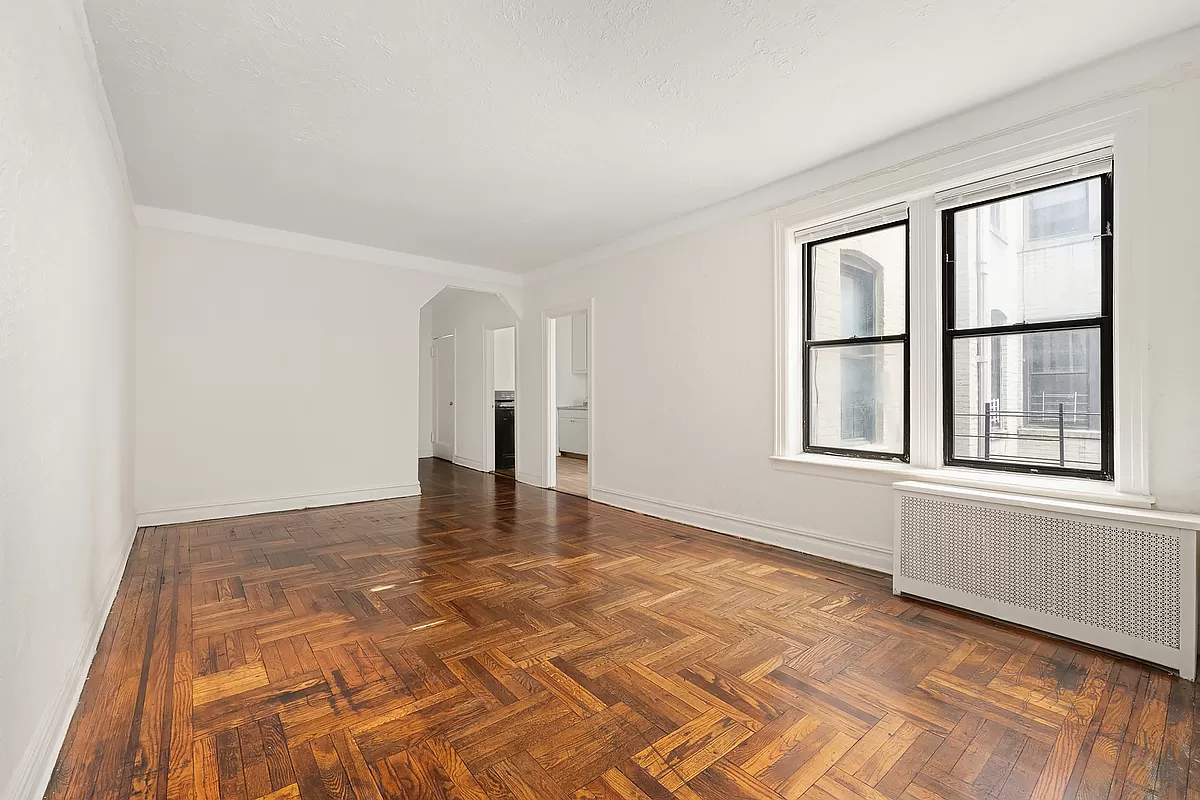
x=1116, y=578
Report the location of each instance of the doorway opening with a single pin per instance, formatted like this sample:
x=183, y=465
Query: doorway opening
x=468, y=354
x=569, y=410
x=501, y=348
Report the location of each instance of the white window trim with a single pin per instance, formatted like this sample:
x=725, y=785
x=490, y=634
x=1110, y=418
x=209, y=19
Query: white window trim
x=917, y=184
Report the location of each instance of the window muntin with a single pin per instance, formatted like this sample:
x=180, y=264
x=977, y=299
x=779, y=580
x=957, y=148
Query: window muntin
x=1047, y=407
x=855, y=343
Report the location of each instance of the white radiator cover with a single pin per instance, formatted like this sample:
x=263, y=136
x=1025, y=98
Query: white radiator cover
x=1116, y=578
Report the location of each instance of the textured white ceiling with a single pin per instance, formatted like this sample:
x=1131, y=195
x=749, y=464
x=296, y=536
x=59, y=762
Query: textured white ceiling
x=512, y=134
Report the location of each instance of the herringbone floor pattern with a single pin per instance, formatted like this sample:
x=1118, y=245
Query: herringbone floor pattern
x=494, y=640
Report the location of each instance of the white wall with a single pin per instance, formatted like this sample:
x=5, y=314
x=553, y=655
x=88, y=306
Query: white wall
x=467, y=314
x=1173, y=271
x=425, y=384
x=572, y=387
x=272, y=378
x=66, y=511
x=504, y=360
x=683, y=327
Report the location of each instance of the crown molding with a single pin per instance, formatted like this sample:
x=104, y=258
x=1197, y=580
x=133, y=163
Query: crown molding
x=1151, y=65
x=150, y=217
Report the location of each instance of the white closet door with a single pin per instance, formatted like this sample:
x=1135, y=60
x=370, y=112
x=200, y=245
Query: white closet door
x=443, y=397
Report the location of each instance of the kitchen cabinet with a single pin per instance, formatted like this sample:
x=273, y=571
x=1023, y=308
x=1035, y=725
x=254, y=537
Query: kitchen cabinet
x=573, y=431
x=579, y=342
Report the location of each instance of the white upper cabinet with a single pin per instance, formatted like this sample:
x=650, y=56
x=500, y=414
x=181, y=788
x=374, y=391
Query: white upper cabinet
x=579, y=342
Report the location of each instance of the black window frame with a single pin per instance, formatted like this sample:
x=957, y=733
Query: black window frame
x=1103, y=321
x=808, y=344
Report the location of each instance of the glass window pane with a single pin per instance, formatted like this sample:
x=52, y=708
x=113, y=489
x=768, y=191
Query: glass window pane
x=1061, y=211
x=1032, y=258
x=856, y=397
x=1029, y=398
x=858, y=285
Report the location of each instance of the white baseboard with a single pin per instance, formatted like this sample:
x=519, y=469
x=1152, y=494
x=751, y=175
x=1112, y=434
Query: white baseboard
x=531, y=479
x=241, y=508
x=809, y=542
x=470, y=463
x=425, y=452
x=32, y=775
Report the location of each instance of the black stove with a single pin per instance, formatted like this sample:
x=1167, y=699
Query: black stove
x=506, y=423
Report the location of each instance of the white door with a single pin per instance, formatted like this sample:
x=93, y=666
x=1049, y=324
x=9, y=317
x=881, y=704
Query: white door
x=443, y=397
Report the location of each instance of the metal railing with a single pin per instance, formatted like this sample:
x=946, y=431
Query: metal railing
x=1057, y=422
x=1045, y=406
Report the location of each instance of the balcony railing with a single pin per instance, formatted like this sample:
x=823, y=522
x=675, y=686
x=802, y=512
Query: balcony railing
x=1061, y=424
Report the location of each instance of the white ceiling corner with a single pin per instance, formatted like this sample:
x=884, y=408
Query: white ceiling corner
x=515, y=134
x=167, y=219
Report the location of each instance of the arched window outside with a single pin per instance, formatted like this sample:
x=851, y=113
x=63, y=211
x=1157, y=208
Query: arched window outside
x=861, y=296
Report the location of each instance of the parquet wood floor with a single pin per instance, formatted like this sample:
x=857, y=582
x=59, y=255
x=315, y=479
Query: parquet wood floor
x=571, y=475
x=490, y=639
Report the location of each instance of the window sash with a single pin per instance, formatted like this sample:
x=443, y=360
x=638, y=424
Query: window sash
x=808, y=242
x=1103, y=322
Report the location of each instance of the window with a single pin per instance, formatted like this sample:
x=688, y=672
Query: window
x=1062, y=211
x=997, y=219
x=962, y=327
x=1050, y=306
x=858, y=296
x=855, y=343
x=1062, y=384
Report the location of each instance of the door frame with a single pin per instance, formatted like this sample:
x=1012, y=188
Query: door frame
x=549, y=389
x=437, y=399
x=489, y=394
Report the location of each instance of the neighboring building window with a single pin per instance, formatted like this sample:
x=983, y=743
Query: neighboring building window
x=1049, y=305
x=859, y=378
x=858, y=296
x=996, y=212
x=1062, y=211
x=1063, y=382
x=855, y=343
